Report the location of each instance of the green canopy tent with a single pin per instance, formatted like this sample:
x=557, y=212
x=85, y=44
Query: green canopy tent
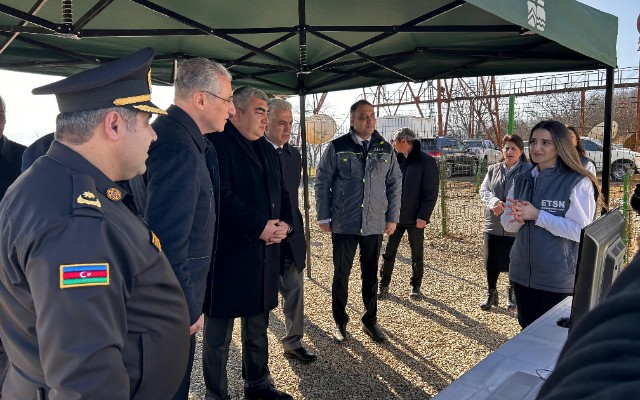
x=310, y=46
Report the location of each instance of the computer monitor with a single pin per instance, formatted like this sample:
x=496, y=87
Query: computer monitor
x=600, y=259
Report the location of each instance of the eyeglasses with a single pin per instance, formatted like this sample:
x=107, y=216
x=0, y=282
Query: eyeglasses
x=229, y=100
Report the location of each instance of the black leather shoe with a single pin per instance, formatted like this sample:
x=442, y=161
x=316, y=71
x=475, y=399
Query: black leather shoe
x=301, y=354
x=415, y=292
x=266, y=393
x=383, y=292
x=340, y=333
x=374, y=332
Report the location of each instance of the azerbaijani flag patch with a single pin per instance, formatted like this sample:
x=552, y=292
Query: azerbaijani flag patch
x=77, y=275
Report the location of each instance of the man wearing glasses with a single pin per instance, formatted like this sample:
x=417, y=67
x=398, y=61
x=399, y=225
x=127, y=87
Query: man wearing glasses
x=180, y=191
x=255, y=216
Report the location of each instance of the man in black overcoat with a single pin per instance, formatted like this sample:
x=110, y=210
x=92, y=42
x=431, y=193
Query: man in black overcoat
x=293, y=254
x=10, y=155
x=255, y=216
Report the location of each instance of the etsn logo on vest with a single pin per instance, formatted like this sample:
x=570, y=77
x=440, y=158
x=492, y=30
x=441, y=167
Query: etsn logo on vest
x=552, y=206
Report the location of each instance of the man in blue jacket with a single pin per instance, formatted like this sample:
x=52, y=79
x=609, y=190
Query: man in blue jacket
x=357, y=188
x=182, y=184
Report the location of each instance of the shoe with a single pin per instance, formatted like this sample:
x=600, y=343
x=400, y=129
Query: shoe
x=266, y=393
x=374, y=332
x=511, y=297
x=340, y=333
x=301, y=354
x=415, y=292
x=492, y=300
x=383, y=292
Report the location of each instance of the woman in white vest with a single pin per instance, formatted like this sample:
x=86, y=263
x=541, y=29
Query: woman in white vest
x=548, y=205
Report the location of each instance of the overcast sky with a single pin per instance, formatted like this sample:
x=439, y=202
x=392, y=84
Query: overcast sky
x=29, y=117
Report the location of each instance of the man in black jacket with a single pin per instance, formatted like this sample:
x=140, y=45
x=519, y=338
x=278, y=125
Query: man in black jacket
x=293, y=249
x=255, y=216
x=420, y=182
x=179, y=194
x=10, y=155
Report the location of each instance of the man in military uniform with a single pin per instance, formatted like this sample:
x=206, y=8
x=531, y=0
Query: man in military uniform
x=90, y=306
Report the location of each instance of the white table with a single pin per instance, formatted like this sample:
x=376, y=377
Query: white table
x=534, y=351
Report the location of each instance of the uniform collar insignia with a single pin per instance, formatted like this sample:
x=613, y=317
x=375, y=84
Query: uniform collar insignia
x=90, y=199
x=114, y=194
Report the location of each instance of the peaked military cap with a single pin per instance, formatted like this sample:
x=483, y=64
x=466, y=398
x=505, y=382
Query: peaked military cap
x=125, y=82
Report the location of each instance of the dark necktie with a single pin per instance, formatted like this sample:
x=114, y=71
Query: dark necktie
x=365, y=146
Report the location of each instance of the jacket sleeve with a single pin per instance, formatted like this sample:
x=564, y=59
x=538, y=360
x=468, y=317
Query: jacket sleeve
x=394, y=191
x=172, y=195
x=325, y=174
x=486, y=195
x=81, y=331
x=429, y=189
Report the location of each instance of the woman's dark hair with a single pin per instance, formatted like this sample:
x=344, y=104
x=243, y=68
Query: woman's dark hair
x=517, y=140
x=579, y=147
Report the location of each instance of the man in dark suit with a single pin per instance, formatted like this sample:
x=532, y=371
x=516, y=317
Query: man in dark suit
x=180, y=190
x=10, y=156
x=293, y=249
x=255, y=216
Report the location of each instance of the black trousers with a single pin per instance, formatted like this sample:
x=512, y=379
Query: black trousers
x=344, y=251
x=496, y=256
x=416, y=243
x=532, y=303
x=215, y=353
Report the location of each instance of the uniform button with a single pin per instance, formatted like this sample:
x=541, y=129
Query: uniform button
x=273, y=205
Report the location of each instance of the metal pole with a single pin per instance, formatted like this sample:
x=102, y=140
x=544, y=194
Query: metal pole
x=303, y=129
x=606, y=143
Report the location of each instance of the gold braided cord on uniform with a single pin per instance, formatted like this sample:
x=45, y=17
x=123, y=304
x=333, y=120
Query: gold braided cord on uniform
x=132, y=100
x=149, y=109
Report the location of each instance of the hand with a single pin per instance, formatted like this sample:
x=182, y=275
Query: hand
x=272, y=232
x=522, y=211
x=498, y=209
x=420, y=223
x=281, y=233
x=390, y=228
x=197, y=326
x=325, y=227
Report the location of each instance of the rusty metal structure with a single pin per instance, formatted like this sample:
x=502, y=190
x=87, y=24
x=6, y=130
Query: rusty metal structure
x=478, y=107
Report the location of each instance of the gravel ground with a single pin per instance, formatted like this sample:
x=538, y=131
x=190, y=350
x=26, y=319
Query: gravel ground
x=431, y=341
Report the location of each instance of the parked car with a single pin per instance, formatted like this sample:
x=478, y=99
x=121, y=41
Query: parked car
x=487, y=152
x=457, y=158
x=623, y=160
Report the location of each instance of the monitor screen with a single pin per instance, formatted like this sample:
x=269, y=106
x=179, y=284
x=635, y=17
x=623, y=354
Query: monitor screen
x=600, y=260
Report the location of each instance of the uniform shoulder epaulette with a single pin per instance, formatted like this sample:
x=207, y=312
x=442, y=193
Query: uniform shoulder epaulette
x=85, y=196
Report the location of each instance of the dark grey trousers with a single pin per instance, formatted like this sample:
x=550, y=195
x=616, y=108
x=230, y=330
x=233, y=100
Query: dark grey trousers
x=215, y=353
